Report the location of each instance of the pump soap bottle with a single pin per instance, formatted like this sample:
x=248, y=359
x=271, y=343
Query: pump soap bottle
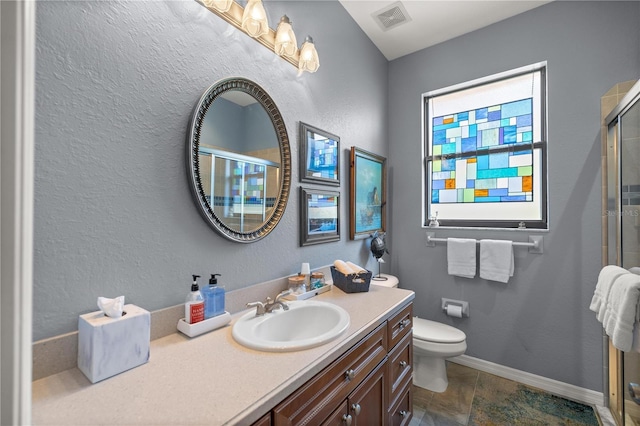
x=213, y=298
x=194, y=305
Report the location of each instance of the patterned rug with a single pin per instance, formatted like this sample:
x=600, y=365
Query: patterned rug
x=528, y=406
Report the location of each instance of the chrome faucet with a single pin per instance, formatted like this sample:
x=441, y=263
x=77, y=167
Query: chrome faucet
x=270, y=304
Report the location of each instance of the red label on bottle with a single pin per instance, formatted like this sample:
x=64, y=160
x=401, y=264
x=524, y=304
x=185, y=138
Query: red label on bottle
x=196, y=312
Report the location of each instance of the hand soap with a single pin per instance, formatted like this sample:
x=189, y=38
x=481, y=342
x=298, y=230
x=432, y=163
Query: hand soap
x=213, y=298
x=194, y=305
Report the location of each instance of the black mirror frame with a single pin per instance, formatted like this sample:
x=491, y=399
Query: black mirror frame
x=193, y=166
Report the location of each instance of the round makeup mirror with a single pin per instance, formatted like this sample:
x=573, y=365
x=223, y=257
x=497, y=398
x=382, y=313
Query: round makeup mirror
x=239, y=160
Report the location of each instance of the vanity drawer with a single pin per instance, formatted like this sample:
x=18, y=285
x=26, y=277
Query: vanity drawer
x=399, y=325
x=400, y=365
x=317, y=399
x=400, y=412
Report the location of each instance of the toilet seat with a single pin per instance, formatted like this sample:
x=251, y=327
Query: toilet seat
x=436, y=332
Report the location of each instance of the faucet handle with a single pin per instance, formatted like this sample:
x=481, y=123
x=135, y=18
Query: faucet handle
x=282, y=294
x=259, y=307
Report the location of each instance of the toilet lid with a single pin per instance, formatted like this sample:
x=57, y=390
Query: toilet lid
x=437, y=332
x=390, y=281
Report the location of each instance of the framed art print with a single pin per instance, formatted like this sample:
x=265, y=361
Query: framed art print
x=368, y=193
x=319, y=156
x=319, y=216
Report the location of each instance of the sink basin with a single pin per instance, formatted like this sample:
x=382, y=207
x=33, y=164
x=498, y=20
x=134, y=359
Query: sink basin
x=306, y=324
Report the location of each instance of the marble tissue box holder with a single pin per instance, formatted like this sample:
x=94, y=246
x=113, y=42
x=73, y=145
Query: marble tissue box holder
x=108, y=346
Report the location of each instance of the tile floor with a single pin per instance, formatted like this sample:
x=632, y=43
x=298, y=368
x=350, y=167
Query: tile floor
x=478, y=398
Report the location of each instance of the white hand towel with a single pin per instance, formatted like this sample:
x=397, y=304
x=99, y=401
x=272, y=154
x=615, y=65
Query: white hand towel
x=496, y=260
x=461, y=257
x=355, y=268
x=606, y=277
x=622, y=304
x=635, y=270
x=342, y=267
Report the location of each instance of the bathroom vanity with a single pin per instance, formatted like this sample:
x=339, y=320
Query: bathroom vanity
x=362, y=377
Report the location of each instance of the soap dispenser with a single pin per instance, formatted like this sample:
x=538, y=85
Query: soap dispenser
x=213, y=298
x=194, y=305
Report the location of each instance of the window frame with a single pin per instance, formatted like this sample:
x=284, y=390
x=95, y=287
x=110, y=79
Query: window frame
x=538, y=145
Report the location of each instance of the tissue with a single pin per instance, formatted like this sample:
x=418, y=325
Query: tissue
x=111, y=307
x=110, y=345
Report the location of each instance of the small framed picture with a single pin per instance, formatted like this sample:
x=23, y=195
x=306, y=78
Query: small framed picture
x=368, y=193
x=319, y=216
x=319, y=156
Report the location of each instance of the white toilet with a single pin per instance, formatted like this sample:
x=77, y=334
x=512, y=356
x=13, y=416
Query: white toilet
x=433, y=343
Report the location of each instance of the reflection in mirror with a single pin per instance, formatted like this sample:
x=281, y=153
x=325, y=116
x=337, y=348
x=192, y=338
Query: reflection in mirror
x=239, y=160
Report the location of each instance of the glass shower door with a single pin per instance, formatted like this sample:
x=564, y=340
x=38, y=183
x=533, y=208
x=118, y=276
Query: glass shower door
x=629, y=132
x=623, y=242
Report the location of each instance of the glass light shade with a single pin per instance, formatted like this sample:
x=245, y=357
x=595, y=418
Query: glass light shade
x=221, y=5
x=254, y=19
x=309, y=60
x=285, y=44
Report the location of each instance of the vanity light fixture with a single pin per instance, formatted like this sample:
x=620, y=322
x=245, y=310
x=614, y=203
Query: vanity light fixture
x=252, y=20
x=309, y=60
x=286, y=44
x=220, y=5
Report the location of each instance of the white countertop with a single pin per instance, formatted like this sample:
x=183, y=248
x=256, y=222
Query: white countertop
x=206, y=379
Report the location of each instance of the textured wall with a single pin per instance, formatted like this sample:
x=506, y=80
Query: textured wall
x=539, y=322
x=116, y=84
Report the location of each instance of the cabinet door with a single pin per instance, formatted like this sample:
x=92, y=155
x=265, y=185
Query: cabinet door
x=400, y=413
x=340, y=417
x=368, y=403
x=264, y=421
x=318, y=398
x=400, y=325
x=400, y=366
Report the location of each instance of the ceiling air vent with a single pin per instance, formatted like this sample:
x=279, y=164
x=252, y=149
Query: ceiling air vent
x=391, y=16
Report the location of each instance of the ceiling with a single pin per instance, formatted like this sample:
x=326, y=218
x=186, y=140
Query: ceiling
x=429, y=22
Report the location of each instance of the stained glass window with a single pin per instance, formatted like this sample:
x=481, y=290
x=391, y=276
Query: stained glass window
x=485, y=149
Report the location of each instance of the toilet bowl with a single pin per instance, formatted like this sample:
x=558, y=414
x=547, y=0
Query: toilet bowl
x=433, y=343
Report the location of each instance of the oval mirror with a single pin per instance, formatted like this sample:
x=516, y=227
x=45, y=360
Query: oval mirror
x=239, y=160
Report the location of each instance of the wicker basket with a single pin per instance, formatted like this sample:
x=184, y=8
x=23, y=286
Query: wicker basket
x=352, y=283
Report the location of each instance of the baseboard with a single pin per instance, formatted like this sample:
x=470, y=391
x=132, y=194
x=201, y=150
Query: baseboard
x=565, y=390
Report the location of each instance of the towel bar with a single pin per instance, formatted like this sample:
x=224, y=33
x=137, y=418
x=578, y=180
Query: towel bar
x=535, y=244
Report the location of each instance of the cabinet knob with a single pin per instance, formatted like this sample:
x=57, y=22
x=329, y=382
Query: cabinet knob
x=404, y=413
x=350, y=374
x=405, y=323
x=403, y=364
x=356, y=409
x=347, y=419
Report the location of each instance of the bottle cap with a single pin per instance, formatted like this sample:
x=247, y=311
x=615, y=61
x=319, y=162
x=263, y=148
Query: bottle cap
x=213, y=280
x=194, y=286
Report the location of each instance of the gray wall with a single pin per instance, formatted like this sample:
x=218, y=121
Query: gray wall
x=539, y=322
x=116, y=84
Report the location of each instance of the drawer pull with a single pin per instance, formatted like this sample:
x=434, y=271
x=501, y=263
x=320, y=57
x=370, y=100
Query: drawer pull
x=403, y=364
x=403, y=413
x=347, y=419
x=356, y=409
x=405, y=323
x=350, y=374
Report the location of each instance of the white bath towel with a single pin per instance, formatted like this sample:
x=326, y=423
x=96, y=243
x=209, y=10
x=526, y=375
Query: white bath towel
x=635, y=270
x=461, y=257
x=606, y=277
x=620, y=316
x=496, y=260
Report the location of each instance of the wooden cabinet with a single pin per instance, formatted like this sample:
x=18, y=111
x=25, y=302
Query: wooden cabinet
x=317, y=399
x=264, y=421
x=368, y=385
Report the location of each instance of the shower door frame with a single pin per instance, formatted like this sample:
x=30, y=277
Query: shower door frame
x=614, y=359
